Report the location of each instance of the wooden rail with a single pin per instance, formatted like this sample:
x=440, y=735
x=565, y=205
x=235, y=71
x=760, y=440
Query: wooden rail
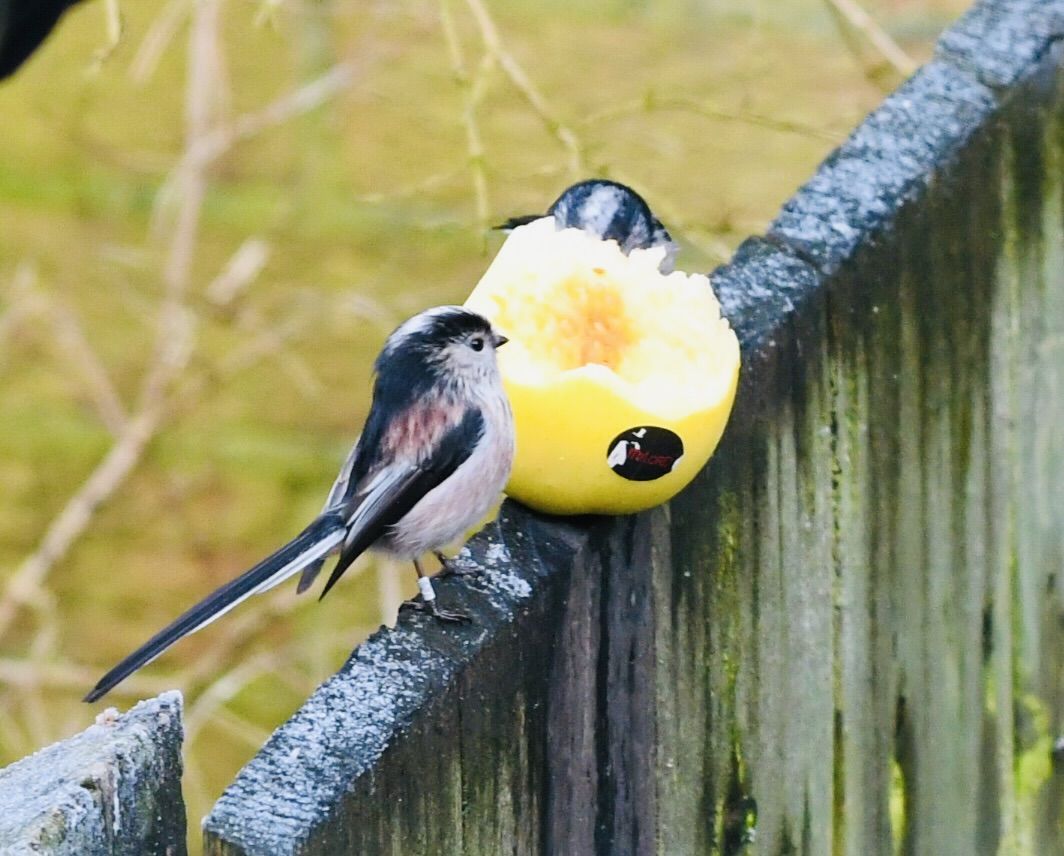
x=848, y=634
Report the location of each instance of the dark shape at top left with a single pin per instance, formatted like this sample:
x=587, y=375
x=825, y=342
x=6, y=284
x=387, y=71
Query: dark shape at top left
x=24, y=25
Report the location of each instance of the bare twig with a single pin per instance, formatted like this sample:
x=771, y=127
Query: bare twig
x=489, y=34
x=31, y=698
x=652, y=102
x=207, y=149
x=22, y=299
x=218, y=141
x=266, y=14
x=173, y=343
x=28, y=301
x=247, y=732
x=159, y=36
x=13, y=736
x=24, y=585
x=268, y=342
x=222, y=690
x=115, y=28
x=302, y=100
x=301, y=374
x=711, y=245
x=243, y=268
x=389, y=590
x=198, y=796
x=35, y=715
x=71, y=338
x=68, y=676
x=415, y=190
x=472, y=92
x=855, y=16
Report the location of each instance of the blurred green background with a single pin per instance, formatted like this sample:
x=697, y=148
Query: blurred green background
x=210, y=220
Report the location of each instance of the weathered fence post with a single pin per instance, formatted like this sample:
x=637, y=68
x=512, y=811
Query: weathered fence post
x=848, y=635
x=114, y=788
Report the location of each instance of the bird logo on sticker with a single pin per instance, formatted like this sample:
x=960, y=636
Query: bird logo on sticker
x=644, y=453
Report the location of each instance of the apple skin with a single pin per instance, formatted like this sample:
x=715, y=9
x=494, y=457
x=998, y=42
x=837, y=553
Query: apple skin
x=627, y=433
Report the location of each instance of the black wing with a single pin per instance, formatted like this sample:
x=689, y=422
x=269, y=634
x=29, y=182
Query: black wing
x=320, y=538
x=400, y=383
x=384, y=498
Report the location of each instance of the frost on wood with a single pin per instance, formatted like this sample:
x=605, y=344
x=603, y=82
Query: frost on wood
x=324, y=758
x=113, y=788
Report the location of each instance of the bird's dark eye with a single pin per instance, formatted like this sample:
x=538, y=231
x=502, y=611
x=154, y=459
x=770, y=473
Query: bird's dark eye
x=477, y=344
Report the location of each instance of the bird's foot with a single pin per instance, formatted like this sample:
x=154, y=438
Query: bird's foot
x=444, y=616
x=450, y=568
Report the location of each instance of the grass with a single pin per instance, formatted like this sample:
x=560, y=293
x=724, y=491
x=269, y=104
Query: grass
x=368, y=208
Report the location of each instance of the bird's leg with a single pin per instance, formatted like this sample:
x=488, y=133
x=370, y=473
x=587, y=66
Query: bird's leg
x=428, y=600
x=450, y=569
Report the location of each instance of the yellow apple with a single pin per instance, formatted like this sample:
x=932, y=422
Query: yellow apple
x=621, y=378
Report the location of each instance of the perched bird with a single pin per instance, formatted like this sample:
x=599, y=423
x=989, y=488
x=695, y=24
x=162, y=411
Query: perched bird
x=434, y=454
x=610, y=211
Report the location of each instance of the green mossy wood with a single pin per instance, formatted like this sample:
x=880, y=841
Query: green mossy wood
x=848, y=635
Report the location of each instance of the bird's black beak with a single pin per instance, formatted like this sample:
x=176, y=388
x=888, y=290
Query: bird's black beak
x=500, y=340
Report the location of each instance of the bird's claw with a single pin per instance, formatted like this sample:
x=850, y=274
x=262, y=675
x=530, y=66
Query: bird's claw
x=450, y=617
x=448, y=568
x=444, y=616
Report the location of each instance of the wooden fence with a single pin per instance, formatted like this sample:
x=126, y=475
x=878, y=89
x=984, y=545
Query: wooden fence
x=848, y=635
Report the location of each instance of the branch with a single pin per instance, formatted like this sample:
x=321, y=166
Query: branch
x=243, y=268
x=218, y=141
x=23, y=302
x=713, y=247
x=523, y=83
x=30, y=674
x=72, y=340
x=28, y=301
x=472, y=91
x=115, y=28
x=155, y=42
x=412, y=191
x=389, y=589
x=222, y=690
x=25, y=584
x=173, y=347
x=652, y=102
x=860, y=20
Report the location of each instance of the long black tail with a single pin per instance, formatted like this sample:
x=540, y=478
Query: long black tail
x=314, y=542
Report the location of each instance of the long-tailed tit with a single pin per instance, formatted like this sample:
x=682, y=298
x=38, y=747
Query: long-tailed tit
x=610, y=211
x=433, y=457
